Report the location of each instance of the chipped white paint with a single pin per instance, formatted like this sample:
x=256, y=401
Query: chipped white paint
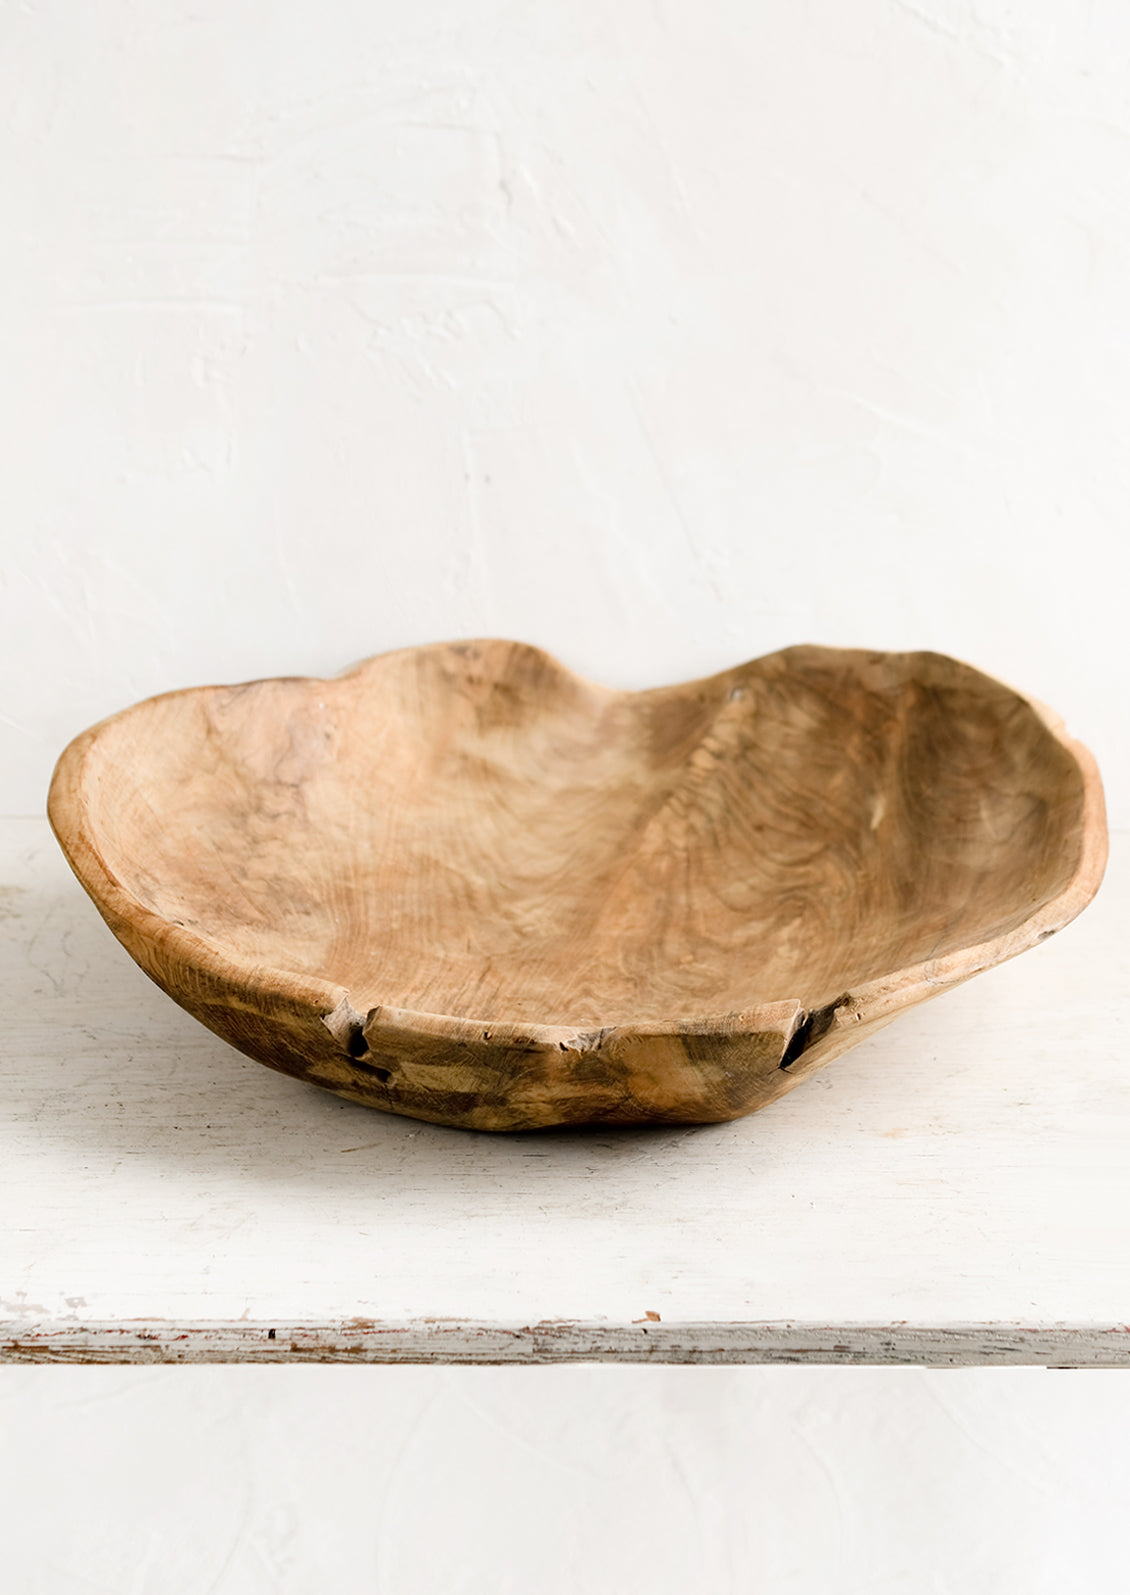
x=956, y=1190
x=448, y=1343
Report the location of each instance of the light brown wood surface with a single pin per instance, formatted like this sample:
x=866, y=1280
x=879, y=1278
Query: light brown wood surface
x=463, y=884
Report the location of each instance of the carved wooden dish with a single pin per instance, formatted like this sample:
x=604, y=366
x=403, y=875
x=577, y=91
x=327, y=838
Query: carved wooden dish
x=461, y=883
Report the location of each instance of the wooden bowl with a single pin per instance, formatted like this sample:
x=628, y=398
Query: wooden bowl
x=460, y=883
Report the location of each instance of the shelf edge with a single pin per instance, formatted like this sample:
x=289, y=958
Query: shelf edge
x=455, y=1341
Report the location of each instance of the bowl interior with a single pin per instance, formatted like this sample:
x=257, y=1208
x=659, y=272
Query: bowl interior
x=471, y=830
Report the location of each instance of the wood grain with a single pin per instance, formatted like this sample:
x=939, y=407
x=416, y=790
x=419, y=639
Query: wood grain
x=364, y=1341
x=462, y=884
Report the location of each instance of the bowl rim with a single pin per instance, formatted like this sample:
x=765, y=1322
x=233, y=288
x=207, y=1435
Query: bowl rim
x=873, y=1000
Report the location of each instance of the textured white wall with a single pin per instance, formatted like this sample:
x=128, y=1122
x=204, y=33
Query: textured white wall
x=657, y=333
x=563, y=1481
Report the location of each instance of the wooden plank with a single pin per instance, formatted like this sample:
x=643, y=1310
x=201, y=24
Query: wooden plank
x=952, y=1346
x=961, y=1180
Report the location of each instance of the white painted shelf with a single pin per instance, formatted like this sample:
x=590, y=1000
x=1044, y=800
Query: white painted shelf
x=954, y=1191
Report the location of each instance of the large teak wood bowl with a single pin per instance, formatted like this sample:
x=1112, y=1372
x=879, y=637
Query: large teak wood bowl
x=463, y=884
